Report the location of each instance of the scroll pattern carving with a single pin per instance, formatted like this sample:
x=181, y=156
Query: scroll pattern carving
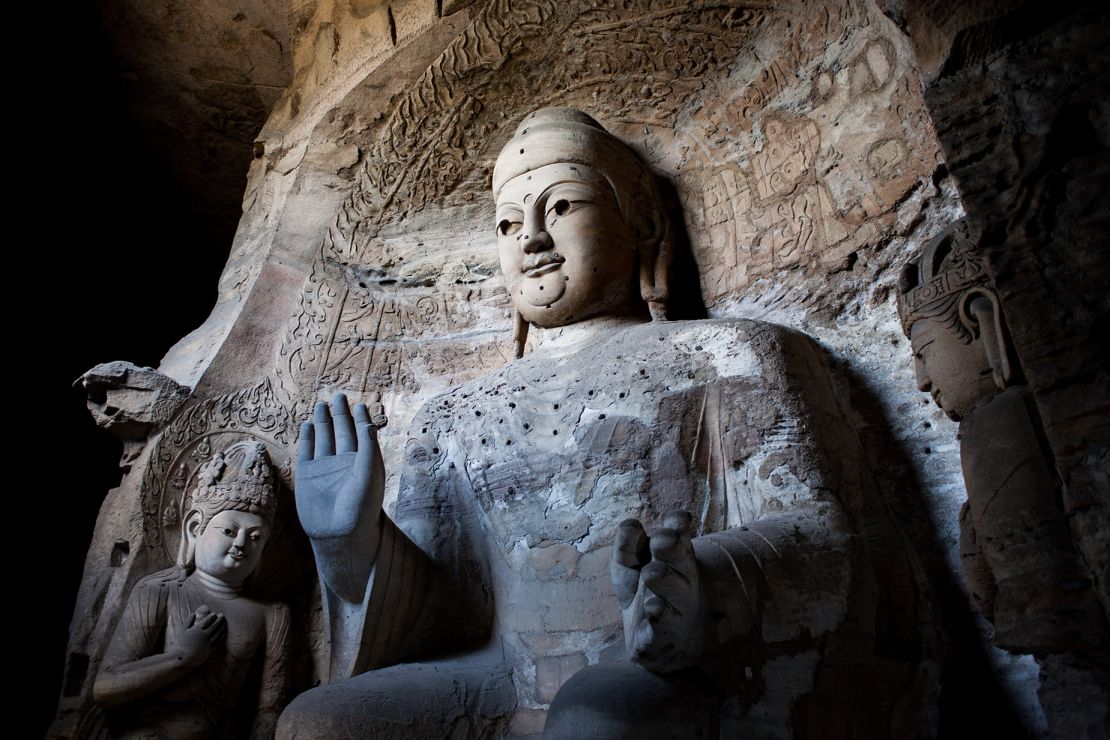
x=189, y=441
x=775, y=183
x=643, y=66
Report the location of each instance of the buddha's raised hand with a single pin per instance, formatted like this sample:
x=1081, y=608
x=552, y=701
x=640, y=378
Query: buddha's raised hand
x=340, y=484
x=658, y=585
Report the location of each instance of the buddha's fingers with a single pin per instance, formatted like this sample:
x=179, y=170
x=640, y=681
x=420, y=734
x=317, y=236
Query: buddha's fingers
x=630, y=549
x=361, y=414
x=342, y=424
x=305, y=443
x=325, y=438
x=368, y=453
x=667, y=584
x=630, y=552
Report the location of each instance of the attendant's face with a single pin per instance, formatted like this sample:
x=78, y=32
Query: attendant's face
x=566, y=253
x=957, y=375
x=230, y=547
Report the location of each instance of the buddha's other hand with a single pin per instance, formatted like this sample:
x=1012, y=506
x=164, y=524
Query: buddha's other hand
x=340, y=484
x=194, y=643
x=657, y=583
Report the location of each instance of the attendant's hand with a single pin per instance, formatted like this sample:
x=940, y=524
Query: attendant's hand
x=194, y=643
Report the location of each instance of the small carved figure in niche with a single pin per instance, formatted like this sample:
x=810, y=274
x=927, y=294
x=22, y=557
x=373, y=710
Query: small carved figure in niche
x=190, y=646
x=1024, y=572
x=506, y=548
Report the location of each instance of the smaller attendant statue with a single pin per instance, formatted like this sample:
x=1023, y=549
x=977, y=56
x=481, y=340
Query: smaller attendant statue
x=1020, y=561
x=193, y=656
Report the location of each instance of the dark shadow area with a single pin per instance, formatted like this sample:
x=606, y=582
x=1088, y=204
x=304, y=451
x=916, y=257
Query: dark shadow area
x=685, y=302
x=125, y=267
x=971, y=703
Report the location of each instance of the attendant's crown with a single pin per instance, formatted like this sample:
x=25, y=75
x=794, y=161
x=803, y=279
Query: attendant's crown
x=947, y=268
x=241, y=476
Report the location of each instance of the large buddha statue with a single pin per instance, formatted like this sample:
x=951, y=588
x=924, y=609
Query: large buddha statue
x=640, y=528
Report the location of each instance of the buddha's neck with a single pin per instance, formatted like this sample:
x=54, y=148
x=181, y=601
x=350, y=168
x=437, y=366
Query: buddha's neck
x=216, y=586
x=564, y=340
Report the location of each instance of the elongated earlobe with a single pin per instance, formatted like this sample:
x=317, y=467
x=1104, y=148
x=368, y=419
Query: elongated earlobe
x=520, y=334
x=655, y=270
x=984, y=309
x=190, y=531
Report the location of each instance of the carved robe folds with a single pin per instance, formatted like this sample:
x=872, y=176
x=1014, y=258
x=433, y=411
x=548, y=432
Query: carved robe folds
x=513, y=488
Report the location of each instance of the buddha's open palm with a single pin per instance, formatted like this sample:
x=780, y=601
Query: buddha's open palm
x=340, y=483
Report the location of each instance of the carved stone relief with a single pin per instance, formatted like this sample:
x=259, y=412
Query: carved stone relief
x=803, y=166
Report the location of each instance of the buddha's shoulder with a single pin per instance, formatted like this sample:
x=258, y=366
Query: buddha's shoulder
x=675, y=336
x=698, y=351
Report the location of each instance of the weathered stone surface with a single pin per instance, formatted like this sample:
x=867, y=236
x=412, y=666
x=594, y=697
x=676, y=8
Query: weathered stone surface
x=200, y=79
x=131, y=402
x=803, y=168
x=1017, y=92
x=191, y=639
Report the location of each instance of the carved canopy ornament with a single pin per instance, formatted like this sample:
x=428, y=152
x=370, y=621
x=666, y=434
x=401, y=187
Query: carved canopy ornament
x=946, y=269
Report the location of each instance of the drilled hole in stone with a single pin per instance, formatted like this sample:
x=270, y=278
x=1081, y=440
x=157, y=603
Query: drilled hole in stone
x=120, y=550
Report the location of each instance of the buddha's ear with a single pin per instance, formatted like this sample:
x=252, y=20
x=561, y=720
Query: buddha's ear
x=983, y=310
x=190, y=533
x=655, y=264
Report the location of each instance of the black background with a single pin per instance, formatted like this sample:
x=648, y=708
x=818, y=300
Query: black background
x=111, y=263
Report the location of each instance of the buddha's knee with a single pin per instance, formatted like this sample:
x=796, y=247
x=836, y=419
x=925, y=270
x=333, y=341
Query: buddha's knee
x=406, y=701
x=622, y=700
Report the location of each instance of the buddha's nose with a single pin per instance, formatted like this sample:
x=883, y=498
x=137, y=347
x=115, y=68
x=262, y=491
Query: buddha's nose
x=535, y=240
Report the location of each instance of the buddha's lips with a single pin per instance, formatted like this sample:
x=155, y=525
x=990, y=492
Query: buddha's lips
x=542, y=264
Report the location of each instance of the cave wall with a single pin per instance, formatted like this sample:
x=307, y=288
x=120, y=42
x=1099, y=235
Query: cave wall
x=806, y=169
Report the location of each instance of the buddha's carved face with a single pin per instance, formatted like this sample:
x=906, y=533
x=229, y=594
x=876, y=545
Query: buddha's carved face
x=230, y=547
x=566, y=253
x=957, y=375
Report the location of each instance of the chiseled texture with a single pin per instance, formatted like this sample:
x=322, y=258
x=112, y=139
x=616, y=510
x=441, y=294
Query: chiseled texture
x=805, y=171
x=514, y=485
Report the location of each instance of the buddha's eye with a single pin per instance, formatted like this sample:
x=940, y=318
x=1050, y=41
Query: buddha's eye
x=561, y=207
x=507, y=227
